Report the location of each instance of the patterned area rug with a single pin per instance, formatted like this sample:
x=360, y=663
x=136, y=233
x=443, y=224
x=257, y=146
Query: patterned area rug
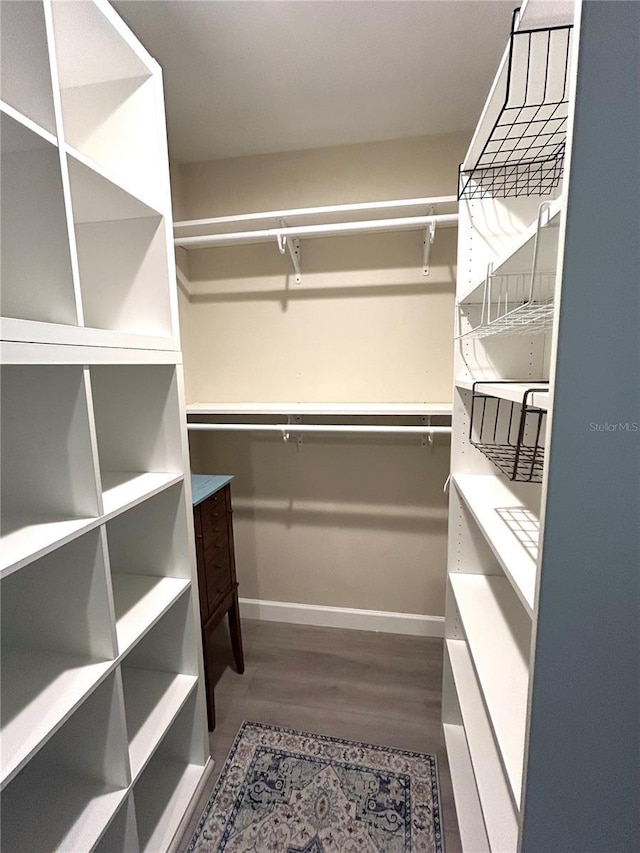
x=282, y=791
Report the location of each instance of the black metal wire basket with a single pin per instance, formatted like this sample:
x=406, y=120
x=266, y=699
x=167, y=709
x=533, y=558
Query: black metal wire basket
x=524, y=152
x=510, y=434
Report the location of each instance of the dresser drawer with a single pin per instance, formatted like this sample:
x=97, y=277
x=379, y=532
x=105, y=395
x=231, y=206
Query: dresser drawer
x=219, y=577
x=213, y=516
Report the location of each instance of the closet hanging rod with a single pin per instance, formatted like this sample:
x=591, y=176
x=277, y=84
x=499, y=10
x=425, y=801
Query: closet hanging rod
x=325, y=210
x=372, y=429
x=333, y=229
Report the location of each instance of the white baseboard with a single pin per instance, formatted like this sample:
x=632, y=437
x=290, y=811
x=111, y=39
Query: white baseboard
x=342, y=617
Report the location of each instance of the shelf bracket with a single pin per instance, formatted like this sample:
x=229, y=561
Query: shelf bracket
x=429, y=236
x=427, y=437
x=293, y=245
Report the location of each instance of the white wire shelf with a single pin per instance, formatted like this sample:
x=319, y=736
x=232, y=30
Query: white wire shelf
x=517, y=297
x=530, y=318
x=518, y=258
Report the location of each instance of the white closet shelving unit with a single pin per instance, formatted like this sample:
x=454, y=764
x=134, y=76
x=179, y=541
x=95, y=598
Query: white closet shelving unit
x=103, y=730
x=540, y=692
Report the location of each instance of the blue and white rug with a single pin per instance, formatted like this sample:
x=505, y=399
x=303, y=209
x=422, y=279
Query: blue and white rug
x=282, y=791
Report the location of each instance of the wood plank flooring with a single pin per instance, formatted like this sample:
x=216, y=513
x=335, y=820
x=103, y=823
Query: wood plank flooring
x=379, y=688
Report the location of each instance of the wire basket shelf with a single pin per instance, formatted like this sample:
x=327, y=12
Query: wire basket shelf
x=510, y=434
x=524, y=152
x=513, y=306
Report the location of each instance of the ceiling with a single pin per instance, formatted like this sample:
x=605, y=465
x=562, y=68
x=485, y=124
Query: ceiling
x=259, y=76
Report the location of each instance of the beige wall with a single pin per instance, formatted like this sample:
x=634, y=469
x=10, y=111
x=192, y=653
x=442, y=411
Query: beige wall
x=337, y=521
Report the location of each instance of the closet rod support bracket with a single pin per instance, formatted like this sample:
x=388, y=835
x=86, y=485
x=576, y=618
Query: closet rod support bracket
x=293, y=245
x=427, y=437
x=427, y=243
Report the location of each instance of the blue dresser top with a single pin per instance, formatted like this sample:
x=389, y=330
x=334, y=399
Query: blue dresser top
x=205, y=485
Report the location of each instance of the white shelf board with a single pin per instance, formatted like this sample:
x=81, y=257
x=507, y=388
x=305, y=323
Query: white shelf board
x=498, y=633
x=313, y=215
x=34, y=331
x=124, y=489
x=513, y=391
x=46, y=689
x=320, y=409
x=517, y=258
x=26, y=352
x=152, y=700
x=32, y=537
x=338, y=229
x=470, y=821
x=169, y=785
x=63, y=811
x=28, y=123
x=500, y=818
x=509, y=526
x=140, y=600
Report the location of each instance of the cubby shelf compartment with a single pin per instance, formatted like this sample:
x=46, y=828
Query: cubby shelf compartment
x=518, y=296
x=510, y=434
x=37, y=279
x=25, y=72
x=500, y=815
x=48, y=476
x=509, y=521
x=75, y=784
x=517, y=258
x=111, y=108
x=152, y=701
x=522, y=152
x=122, y=253
x=165, y=788
x=498, y=632
x=60, y=653
x=148, y=547
x=140, y=600
x=138, y=431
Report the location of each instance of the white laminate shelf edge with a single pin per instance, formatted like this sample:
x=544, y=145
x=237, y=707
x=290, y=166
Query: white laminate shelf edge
x=36, y=331
x=498, y=635
x=513, y=391
x=511, y=529
x=54, y=352
x=500, y=817
x=124, y=489
x=470, y=821
x=322, y=409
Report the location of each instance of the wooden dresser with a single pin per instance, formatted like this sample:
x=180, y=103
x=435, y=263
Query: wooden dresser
x=217, y=584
